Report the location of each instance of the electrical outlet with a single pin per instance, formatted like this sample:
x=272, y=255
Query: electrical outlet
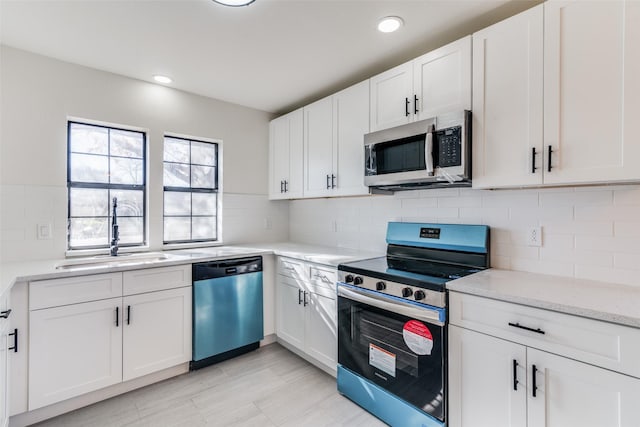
x=534, y=236
x=44, y=232
x=334, y=226
x=267, y=224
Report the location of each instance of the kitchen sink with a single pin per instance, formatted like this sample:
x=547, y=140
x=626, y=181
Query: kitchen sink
x=112, y=261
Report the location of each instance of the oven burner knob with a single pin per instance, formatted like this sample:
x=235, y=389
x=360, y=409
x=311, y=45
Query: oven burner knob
x=419, y=295
x=358, y=280
x=348, y=278
x=381, y=286
x=407, y=292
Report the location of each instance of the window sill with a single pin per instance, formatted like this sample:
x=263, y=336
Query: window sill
x=72, y=253
x=172, y=246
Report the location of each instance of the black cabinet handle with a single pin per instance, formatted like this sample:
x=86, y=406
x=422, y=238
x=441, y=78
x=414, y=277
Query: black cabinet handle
x=282, y=186
x=526, y=328
x=515, y=375
x=286, y=186
x=333, y=181
x=415, y=104
x=117, y=316
x=328, y=181
x=406, y=107
x=306, y=302
x=533, y=160
x=128, y=315
x=15, y=341
x=549, y=165
x=299, y=296
x=5, y=314
x=534, y=387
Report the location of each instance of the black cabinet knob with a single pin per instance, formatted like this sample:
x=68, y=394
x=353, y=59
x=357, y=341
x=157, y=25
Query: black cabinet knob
x=358, y=280
x=381, y=286
x=419, y=295
x=348, y=278
x=407, y=292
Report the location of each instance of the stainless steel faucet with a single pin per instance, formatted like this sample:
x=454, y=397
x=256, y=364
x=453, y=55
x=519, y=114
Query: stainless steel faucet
x=115, y=235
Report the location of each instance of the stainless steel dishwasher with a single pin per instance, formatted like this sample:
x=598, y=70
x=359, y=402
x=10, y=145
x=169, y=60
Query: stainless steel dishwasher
x=227, y=309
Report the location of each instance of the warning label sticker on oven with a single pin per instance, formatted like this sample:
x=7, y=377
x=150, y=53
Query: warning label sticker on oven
x=382, y=359
x=417, y=337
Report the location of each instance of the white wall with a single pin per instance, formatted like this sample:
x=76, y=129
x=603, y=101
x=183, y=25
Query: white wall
x=587, y=232
x=37, y=96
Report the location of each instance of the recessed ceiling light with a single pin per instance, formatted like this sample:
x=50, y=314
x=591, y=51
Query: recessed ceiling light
x=234, y=3
x=389, y=24
x=162, y=79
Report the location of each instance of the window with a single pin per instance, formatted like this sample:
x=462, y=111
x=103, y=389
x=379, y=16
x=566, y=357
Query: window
x=190, y=190
x=103, y=163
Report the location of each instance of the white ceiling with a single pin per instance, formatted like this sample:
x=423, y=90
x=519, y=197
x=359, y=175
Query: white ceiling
x=273, y=55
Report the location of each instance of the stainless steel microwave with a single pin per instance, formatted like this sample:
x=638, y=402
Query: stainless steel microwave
x=431, y=152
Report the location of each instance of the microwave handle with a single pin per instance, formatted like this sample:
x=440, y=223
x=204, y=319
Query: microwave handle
x=428, y=153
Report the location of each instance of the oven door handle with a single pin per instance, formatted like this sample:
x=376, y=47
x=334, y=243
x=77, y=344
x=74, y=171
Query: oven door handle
x=431, y=315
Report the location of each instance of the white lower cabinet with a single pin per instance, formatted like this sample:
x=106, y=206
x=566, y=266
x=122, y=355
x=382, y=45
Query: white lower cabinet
x=156, y=331
x=5, y=339
x=76, y=348
x=500, y=383
x=73, y=350
x=290, y=322
x=307, y=312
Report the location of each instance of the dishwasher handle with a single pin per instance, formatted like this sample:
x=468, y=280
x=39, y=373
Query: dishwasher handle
x=225, y=268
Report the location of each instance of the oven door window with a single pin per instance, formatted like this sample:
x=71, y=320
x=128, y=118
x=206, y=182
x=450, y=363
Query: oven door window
x=402, y=155
x=400, y=354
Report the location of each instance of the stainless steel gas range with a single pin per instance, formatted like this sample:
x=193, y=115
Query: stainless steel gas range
x=392, y=315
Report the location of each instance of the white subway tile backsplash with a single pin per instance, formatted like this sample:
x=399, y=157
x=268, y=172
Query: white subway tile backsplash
x=628, y=229
x=627, y=196
x=588, y=232
x=613, y=213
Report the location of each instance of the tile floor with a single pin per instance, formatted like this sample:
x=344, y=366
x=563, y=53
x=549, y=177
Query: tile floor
x=267, y=387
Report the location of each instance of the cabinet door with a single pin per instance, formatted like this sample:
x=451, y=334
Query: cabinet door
x=585, y=95
x=156, y=331
x=350, y=123
x=290, y=320
x=321, y=340
x=4, y=362
x=507, y=102
x=285, y=156
x=318, y=148
x=442, y=80
x=392, y=97
x=570, y=393
x=73, y=350
x=481, y=381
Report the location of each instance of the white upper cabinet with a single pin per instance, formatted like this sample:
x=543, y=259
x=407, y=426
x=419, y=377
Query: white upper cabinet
x=318, y=148
x=334, y=130
x=392, y=97
x=590, y=62
x=442, y=80
x=285, y=156
x=507, y=102
x=435, y=83
x=588, y=92
x=351, y=123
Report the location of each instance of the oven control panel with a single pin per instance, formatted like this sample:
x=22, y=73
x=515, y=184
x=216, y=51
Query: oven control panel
x=400, y=290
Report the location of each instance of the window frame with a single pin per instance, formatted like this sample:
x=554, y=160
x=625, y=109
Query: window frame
x=108, y=186
x=191, y=190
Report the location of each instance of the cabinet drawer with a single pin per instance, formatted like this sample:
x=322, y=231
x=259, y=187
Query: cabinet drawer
x=611, y=346
x=325, y=277
x=156, y=279
x=292, y=268
x=73, y=290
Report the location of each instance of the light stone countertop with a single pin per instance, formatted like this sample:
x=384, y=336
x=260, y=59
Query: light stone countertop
x=15, y=272
x=609, y=302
